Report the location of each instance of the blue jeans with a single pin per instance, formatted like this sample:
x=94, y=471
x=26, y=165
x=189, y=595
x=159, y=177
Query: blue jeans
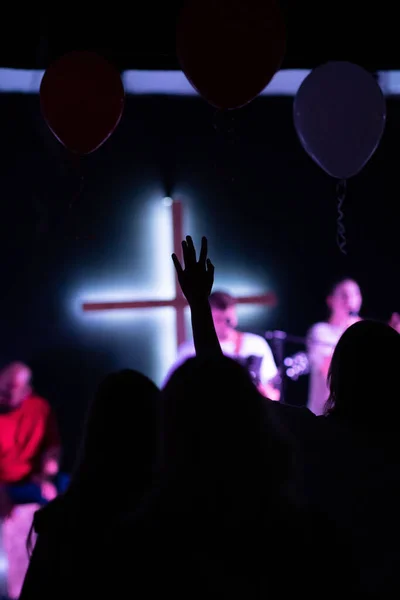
x=30, y=493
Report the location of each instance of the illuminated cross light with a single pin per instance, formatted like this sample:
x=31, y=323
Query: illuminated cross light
x=119, y=304
x=177, y=302
x=149, y=242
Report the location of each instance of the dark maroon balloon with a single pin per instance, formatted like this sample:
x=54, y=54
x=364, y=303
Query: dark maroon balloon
x=230, y=49
x=82, y=100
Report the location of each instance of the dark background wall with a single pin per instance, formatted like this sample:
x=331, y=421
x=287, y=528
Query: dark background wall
x=269, y=213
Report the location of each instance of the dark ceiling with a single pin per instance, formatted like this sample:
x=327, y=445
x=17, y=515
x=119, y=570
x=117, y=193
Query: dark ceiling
x=145, y=38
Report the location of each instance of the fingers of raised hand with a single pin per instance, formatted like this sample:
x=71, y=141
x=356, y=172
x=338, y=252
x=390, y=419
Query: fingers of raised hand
x=189, y=251
x=203, y=251
x=177, y=264
x=210, y=273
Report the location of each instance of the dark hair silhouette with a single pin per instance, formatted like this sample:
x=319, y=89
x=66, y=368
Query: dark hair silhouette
x=363, y=376
x=121, y=433
x=221, y=300
x=119, y=445
x=220, y=436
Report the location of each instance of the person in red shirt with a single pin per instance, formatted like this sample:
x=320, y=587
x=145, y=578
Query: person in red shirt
x=29, y=440
x=29, y=466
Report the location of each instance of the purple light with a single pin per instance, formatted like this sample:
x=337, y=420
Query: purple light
x=174, y=83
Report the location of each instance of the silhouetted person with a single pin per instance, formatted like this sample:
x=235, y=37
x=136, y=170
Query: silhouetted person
x=363, y=378
x=227, y=510
x=226, y=516
x=215, y=398
x=344, y=302
x=114, y=471
x=356, y=476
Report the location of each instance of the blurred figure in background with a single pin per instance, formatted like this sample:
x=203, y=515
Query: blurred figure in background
x=250, y=350
x=29, y=464
x=344, y=302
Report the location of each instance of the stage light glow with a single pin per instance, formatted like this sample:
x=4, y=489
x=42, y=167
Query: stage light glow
x=155, y=281
x=3, y=565
x=174, y=83
x=20, y=81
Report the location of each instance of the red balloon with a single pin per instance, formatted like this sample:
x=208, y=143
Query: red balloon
x=82, y=100
x=230, y=49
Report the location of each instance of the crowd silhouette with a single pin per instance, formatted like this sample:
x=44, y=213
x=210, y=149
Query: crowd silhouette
x=207, y=489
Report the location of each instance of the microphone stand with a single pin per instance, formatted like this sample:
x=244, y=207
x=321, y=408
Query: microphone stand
x=278, y=340
x=287, y=337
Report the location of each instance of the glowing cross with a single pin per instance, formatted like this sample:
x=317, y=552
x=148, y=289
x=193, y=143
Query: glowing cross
x=178, y=302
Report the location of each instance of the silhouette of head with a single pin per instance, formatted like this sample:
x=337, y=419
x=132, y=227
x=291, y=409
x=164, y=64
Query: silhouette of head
x=115, y=466
x=363, y=377
x=120, y=437
x=218, y=429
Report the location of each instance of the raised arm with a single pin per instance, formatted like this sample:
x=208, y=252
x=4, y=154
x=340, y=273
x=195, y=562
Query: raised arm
x=196, y=279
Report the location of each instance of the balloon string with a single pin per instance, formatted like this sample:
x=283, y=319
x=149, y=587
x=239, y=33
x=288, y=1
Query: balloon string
x=224, y=126
x=224, y=123
x=341, y=190
x=79, y=178
x=78, y=194
x=77, y=165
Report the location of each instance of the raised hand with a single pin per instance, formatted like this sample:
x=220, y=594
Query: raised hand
x=197, y=277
